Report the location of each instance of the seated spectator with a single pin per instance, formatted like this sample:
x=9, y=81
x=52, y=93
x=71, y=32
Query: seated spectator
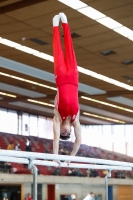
x=69, y=173
x=17, y=147
x=93, y=173
x=119, y=174
x=90, y=196
x=8, y=167
x=73, y=172
x=80, y=173
x=88, y=172
x=73, y=196
x=28, y=145
x=56, y=172
x=10, y=146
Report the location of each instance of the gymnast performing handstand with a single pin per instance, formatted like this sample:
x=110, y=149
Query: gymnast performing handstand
x=66, y=112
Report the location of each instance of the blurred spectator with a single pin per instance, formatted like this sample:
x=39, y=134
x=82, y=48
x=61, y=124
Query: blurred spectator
x=10, y=146
x=29, y=197
x=28, y=145
x=93, y=173
x=80, y=173
x=73, y=196
x=56, y=172
x=90, y=196
x=17, y=147
x=72, y=172
x=69, y=173
x=88, y=172
x=119, y=174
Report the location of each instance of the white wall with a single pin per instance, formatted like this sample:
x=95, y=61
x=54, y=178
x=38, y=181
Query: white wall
x=27, y=189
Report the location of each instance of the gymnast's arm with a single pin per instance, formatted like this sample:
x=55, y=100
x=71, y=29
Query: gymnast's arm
x=77, y=131
x=56, y=130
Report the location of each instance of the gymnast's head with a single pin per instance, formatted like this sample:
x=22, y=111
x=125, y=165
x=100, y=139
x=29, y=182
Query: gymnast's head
x=65, y=131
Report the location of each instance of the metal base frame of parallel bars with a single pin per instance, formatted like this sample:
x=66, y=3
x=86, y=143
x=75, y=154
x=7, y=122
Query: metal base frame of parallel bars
x=35, y=173
x=32, y=159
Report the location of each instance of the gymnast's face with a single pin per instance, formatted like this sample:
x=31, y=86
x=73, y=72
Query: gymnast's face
x=65, y=129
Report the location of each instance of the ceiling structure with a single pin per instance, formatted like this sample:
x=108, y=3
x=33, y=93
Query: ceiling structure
x=27, y=80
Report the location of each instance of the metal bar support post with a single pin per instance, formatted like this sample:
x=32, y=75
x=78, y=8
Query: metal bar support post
x=35, y=172
x=106, y=184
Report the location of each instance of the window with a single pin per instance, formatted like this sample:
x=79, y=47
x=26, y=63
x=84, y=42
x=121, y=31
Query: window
x=130, y=149
x=129, y=139
x=8, y=121
x=42, y=124
x=119, y=139
x=128, y=133
x=33, y=125
x=91, y=135
x=3, y=120
x=49, y=128
x=118, y=133
x=84, y=134
x=12, y=119
x=19, y=124
x=120, y=147
x=106, y=137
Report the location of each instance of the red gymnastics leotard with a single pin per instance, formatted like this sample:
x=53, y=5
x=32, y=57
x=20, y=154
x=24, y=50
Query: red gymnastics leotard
x=66, y=75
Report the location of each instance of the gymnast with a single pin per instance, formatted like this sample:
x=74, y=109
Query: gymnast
x=66, y=111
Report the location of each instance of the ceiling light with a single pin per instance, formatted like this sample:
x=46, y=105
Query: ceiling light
x=104, y=78
x=131, y=38
x=40, y=102
x=101, y=18
x=46, y=86
x=107, y=104
x=28, y=81
x=15, y=77
x=104, y=118
x=4, y=74
x=9, y=95
x=9, y=43
x=75, y=4
x=110, y=23
x=80, y=69
x=124, y=31
x=44, y=56
x=91, y=12
x=27, y=49
x=32, y=82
